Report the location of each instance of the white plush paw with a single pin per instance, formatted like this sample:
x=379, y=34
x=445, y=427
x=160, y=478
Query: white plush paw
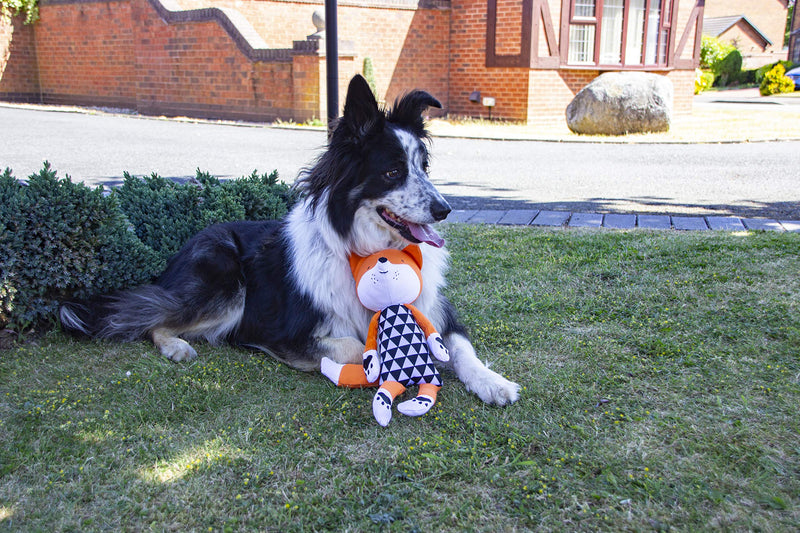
x=493, y=388
x=371, y=365
x=382, y=407
x=177, y=350
x=330, y=369
x=437, y=347
x=416, y=406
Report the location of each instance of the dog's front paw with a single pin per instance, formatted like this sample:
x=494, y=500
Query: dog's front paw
x=493, y=388
x=177, y=350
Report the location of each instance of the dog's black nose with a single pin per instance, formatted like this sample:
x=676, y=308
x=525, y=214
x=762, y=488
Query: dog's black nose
x=440, y=209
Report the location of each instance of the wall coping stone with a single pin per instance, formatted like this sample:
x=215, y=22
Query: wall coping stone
x=235, y=24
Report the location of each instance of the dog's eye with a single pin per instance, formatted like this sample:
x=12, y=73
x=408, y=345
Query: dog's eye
x=392, y=174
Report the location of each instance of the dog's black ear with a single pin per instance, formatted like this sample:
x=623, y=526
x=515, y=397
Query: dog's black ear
x=361, y=113
x=407, y=110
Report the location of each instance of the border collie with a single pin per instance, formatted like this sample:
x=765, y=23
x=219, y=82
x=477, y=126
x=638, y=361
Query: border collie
x=285, y=287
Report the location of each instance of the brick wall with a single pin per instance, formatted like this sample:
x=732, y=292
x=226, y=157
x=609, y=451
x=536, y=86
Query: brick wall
x=152, y=56
x=19, y=77
x=406, y=40
x=86, y=54
x=198, y=70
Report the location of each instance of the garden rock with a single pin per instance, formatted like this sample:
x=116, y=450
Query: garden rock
x=616, y=103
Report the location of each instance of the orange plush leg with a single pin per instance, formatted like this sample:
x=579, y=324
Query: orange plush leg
x=422, y=403
x=351, y=376
x=382, y=402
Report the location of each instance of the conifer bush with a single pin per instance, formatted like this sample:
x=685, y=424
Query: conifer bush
x=62, y=240
x=166, y=214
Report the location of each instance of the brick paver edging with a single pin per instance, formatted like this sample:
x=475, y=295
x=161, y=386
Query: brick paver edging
x=533, y=217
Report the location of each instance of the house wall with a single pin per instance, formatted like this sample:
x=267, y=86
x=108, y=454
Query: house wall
x=769, y=16
x=751, y=45
x=468, y=71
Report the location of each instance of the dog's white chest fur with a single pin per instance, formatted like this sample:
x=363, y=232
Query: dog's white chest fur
x=321, y=269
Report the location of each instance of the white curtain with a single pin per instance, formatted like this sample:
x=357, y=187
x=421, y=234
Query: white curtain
x=635, y=38
x=653, y=20
x=611, y=32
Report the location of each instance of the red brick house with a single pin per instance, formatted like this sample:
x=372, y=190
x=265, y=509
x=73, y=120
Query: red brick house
x=254, y=59
x=755, y=27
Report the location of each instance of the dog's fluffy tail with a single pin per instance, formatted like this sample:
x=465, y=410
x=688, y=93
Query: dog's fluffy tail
x=126, y=316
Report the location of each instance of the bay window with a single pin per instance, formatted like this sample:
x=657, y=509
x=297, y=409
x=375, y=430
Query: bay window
x=626, y=33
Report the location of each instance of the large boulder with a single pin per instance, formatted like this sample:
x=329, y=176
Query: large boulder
x=616, y=103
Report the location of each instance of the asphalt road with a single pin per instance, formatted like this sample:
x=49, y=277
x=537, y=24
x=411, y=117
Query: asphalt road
x=746, y=180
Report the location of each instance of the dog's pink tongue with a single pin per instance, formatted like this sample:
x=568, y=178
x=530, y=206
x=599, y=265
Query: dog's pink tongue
x=425, y=233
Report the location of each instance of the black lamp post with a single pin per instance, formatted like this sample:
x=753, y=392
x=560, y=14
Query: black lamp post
x=332, y=62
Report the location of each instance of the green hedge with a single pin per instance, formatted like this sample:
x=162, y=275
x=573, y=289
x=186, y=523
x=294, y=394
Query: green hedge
x=60, y=239
x=165, y=214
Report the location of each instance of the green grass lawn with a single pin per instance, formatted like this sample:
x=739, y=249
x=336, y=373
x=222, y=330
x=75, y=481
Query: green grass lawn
x=660, y=377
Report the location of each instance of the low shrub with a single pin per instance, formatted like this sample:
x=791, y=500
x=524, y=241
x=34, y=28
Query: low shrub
x=761, y=71
x=64, y=240
x=747, y=77
x=727, y=70
x=776, y=81
x=703, y=80
x=165, y=214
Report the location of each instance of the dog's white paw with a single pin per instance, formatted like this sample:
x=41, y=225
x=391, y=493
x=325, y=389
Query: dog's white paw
x=493, y=388
x=177, y=350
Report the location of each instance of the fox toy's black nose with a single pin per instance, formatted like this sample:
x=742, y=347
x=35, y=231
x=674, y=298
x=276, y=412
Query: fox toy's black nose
x=440, y=209
x=382, y=260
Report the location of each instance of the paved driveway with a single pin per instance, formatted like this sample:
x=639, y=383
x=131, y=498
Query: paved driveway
x=748, y=180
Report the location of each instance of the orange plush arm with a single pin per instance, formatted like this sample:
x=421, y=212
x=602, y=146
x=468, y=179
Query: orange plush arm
x=432, y=337
x=372, y=333
x=422, y=320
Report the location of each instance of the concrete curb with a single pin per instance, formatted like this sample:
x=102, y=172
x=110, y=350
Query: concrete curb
x=567, y=219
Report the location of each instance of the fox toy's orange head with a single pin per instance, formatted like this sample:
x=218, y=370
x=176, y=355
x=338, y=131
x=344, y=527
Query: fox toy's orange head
x=388, y=277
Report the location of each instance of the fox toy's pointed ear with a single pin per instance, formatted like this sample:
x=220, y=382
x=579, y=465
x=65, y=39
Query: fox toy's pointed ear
x=416, y=254
x=361, y=115
x=355, y=262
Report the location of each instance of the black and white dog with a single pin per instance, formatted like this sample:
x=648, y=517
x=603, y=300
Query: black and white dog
x=285, y=287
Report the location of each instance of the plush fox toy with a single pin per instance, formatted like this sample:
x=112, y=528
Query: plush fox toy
x=400, y=340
